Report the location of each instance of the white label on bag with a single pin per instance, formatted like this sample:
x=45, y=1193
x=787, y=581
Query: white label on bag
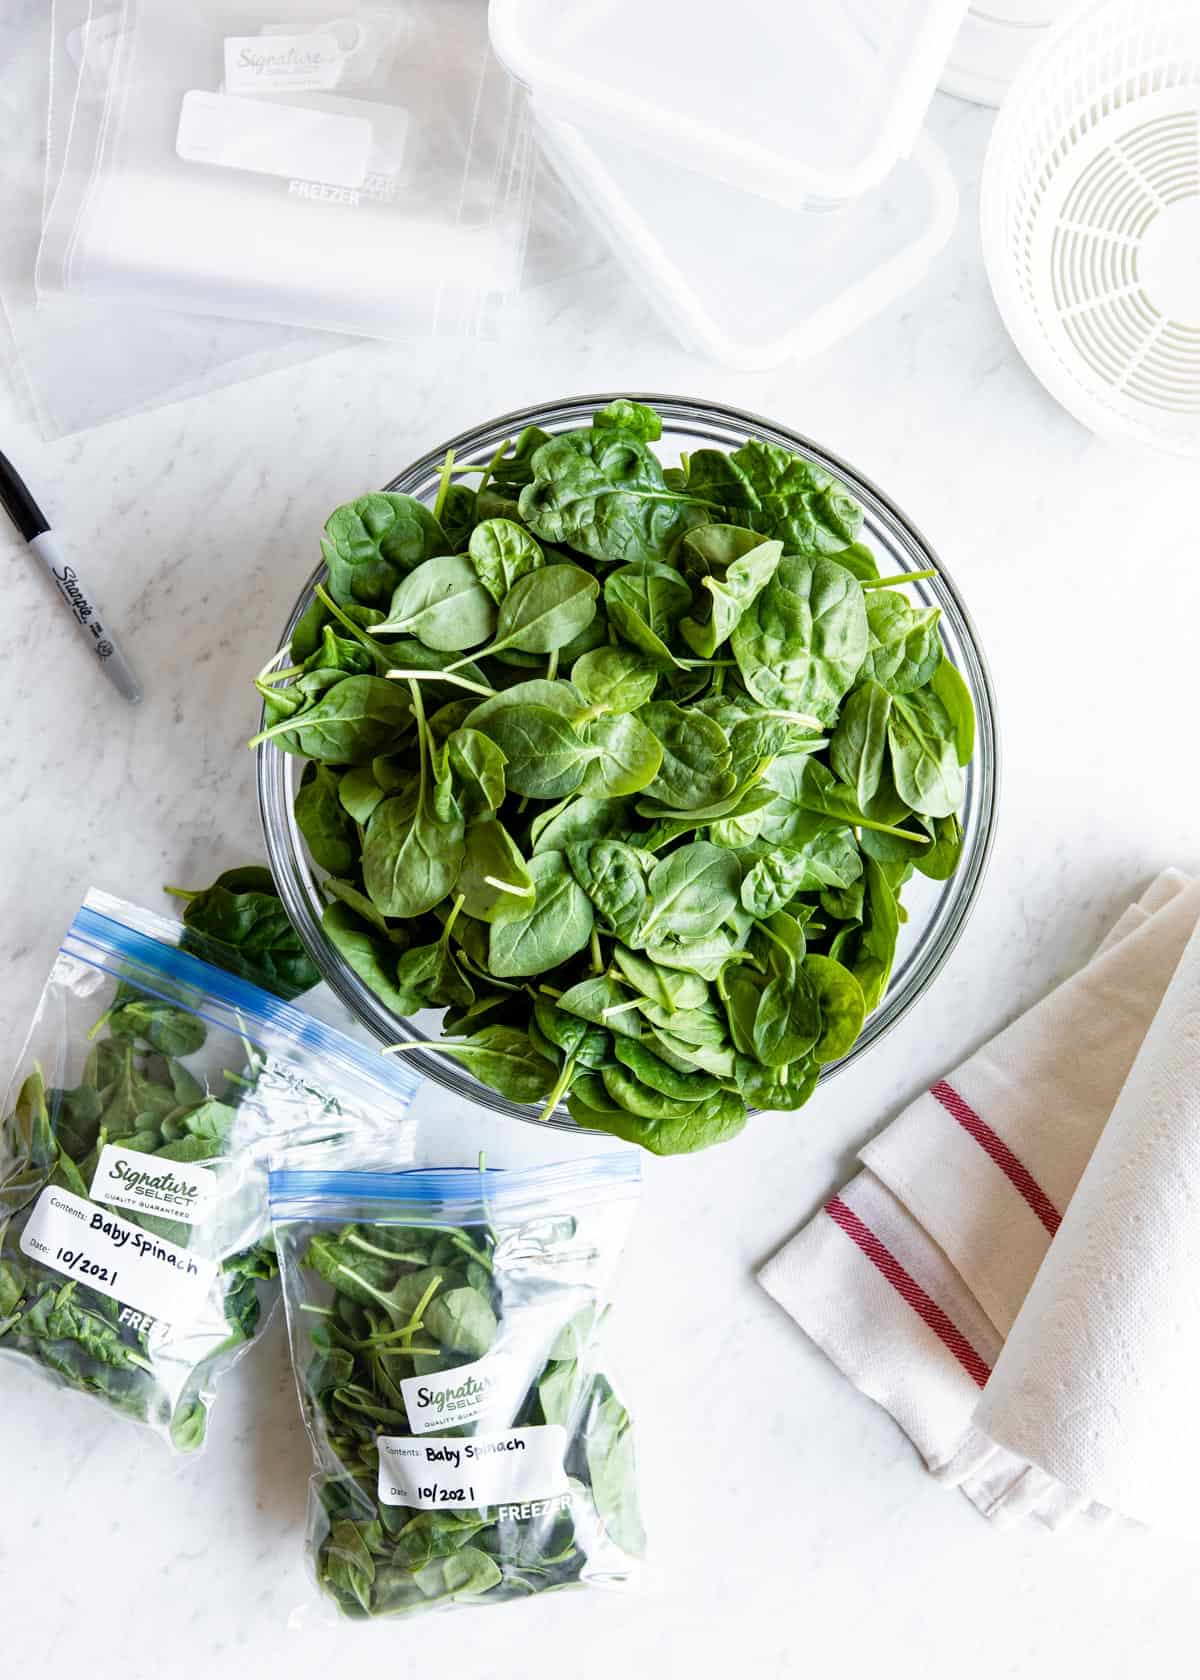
x=282, y=63
x=287, y=140
x=452, y=1398
x=110, y=1255
x=438, y=1472
x=177, y=1190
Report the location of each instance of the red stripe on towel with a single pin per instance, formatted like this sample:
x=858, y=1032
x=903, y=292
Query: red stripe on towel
x=906, y=1286
x=1017, y=1174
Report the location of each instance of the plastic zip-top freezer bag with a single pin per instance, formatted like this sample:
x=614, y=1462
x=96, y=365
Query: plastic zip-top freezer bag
x=360, y=167
x=76, y=361
x=447, y=1330
x=135, y=1252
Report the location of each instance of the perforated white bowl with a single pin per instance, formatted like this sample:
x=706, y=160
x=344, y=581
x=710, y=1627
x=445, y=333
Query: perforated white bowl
x=1091, y=218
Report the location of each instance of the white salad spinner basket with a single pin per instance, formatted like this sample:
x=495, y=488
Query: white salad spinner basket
x=1091, y=218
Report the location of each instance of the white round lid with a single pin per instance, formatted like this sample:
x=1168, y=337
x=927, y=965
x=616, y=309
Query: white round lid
x=993, y=42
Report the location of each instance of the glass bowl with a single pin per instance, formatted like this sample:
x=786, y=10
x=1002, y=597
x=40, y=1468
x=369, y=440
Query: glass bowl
x=937, y=910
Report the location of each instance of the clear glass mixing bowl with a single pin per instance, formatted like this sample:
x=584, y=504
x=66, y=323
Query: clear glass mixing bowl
x=937, y=910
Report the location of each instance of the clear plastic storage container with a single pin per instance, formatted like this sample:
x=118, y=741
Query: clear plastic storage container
x=763, y=174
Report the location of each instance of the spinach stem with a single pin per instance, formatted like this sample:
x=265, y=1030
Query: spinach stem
x=262, y=680
x=377, y=653
x=487, y=468
x=358, y=1241
x=505, y=886
x=443, y=484
x=899, y=577
x=886, y=828
x=561, y=1085
x=492, y=465
x=442, y=676
x=620, y=1008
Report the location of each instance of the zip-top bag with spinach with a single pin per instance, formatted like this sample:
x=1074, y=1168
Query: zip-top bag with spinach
x=447, y=1330
x=624, y=766
x=136, y=1262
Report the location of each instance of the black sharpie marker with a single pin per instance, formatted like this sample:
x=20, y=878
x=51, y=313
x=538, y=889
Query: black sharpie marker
x=33, y=525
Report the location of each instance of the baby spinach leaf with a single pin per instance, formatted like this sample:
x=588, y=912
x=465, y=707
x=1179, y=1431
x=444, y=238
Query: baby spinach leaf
x=239, y=924
x=627, y=757
x=321, y=818
x=614, y=679
x=802, y=641
x=368, y=953
x=353, y=721
x=842, y=1006
x=576, y=819
x=359, y=793
x=826, y=857
x=602, y=1001
x=545, y=758
x=503, y=1058
x=695, y=769
x=412, y=855
x=501, y=552
x=644, y=602
x=370, y=543
x=632, y=418
x=733, y=566
x=925, y=763
x=939, y=861
x=947, y=685
x=494, y=883
x=653, y=1072
x=443, y=604
x=603, y=492
x=545, y=610
x=411, y=858
x=781, y=495
x=613, y=875
x=559, y=924
x=859, y=744
x=691, y=891
x=478, y=766
x=876, y=942
x=905, y=648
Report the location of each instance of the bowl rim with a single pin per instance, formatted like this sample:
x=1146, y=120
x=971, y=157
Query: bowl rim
x=923, y=964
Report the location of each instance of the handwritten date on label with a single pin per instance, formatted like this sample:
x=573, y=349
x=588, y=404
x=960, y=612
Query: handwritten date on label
x=435, y=1472
x=81, y=1240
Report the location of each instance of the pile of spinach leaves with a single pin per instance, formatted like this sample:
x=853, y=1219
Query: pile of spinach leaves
x=136, y=1090
x=384, y=1301
x=623, y=766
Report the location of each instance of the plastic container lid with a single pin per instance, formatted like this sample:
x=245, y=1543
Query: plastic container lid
x=748, y=282
x=791, y=99
x=995, y=39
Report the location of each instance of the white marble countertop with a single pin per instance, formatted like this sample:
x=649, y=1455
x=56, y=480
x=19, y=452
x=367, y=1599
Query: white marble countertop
x=790, y=1521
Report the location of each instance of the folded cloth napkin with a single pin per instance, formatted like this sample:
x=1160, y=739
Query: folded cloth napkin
x=1015, y=1273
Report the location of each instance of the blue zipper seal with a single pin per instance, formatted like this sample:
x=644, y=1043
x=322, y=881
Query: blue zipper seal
x=467, y=1193
x=99, y=938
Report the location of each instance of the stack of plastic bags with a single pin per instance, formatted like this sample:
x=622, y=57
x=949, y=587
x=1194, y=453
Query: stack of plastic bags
x=223, y=186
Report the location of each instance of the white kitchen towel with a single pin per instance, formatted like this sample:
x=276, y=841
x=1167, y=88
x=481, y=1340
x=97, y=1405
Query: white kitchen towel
x=1047, y=1378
